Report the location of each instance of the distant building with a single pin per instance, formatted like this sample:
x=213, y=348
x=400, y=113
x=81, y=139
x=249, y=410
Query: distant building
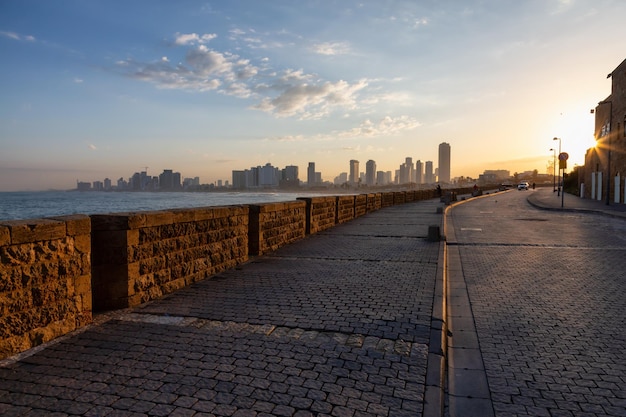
x=341, y=179
x=406, y=174
x=429, y=175
x=444, y=163
x=169, y=181
x=83, y=186
x=370, y=172
x=310, y=174
x=497, y=174
x=354, y=172
x=419, y=172
x=289, y=177
x=239, y=180
x=604, y=173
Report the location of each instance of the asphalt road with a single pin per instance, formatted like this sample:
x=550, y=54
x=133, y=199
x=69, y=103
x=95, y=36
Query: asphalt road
x=537, y=311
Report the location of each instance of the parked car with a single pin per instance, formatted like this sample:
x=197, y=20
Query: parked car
x=523, y=185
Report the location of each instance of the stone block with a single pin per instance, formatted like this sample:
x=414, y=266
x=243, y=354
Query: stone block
x=76, y=224
x=5, y=235
x=35, y=230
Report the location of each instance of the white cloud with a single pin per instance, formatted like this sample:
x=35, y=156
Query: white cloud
x=309, y=100
x=193, y=38
x=387, y=126
x=78, y=80
x=420, y=22
x=331, y=48
x=17, y=36
x=287, y=93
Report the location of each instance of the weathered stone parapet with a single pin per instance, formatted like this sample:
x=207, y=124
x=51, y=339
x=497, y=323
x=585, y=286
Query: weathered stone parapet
x=399, y=197
x=360, y=205
x=45, y=280
x=345, y=208
x=320, y=213
x=138, y=257
x=374, y=202
x=274, y=225
x=386, y=199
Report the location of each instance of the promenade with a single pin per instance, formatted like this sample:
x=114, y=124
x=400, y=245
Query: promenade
x=347, y=322
x=344, y=323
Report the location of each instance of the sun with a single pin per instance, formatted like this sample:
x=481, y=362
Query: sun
x=575, y=129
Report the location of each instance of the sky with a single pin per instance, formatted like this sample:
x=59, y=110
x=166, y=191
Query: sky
x=94, y=89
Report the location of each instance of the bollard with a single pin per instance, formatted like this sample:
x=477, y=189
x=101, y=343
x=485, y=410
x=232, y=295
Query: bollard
x=434, y=233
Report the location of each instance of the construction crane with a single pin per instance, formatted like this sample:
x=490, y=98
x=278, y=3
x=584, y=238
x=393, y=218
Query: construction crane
x=145, y=169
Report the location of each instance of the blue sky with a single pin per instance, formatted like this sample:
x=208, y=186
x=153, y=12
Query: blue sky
x=101, y=88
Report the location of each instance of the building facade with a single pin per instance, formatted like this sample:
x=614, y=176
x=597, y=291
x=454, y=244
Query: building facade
x=354, y=172
x=444, y=163
x=370, y=172
x=429, y=174
x=604, y=174
x=310, y=174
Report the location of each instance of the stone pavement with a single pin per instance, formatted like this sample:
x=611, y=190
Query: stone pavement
x=347, y=322
x=536, y=307
x=545, y=198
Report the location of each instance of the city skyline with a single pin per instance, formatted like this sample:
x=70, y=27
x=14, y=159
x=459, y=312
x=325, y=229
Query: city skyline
x=141, y=180
x=93, y=88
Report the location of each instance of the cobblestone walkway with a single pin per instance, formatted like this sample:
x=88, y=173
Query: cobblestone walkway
x=336, y=324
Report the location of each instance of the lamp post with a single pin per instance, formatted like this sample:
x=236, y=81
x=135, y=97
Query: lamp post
x=558, y=190
x=553, y=169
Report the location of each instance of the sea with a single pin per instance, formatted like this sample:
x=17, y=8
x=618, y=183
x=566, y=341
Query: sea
x=40, y=204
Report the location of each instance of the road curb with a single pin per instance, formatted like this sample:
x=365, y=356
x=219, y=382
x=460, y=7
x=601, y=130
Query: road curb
x=434, y=395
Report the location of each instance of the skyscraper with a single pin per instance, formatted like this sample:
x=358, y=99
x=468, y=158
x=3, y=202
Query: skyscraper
x=419, y=172
x=310, y=174
x=370, y=173
x=429, y=176
x=354, y=172
x=444, y=162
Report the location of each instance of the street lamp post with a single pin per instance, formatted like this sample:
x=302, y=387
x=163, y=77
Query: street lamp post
x=553, y=169
x=558, y=193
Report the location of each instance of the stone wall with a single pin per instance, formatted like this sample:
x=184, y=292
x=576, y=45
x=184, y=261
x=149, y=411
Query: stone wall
x=138, y=257
x=321, y=213
x=45, y=280
x=386, y=200
x=360, y=205
x=345, y=209
x=374, y=202
x=399, y=197
x=273, y=225
x=55, y=272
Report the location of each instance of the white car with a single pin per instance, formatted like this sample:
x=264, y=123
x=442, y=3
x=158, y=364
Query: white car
x=523, y=185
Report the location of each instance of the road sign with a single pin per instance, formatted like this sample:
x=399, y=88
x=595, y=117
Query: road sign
x=563, y=156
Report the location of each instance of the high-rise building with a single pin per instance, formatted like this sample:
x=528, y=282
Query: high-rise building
x=370, y=172
x=444, y=163
x=419, y=172
x=406, y=173
x=310, y=174
x=354, y=172
x=429, y=176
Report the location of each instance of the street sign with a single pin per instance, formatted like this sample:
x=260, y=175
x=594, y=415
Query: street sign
x=563, y=156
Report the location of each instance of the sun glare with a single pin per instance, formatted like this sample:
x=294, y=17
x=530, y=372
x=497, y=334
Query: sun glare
x=575, y=128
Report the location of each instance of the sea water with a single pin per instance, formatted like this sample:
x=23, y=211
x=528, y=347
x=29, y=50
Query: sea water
x=33, y=205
